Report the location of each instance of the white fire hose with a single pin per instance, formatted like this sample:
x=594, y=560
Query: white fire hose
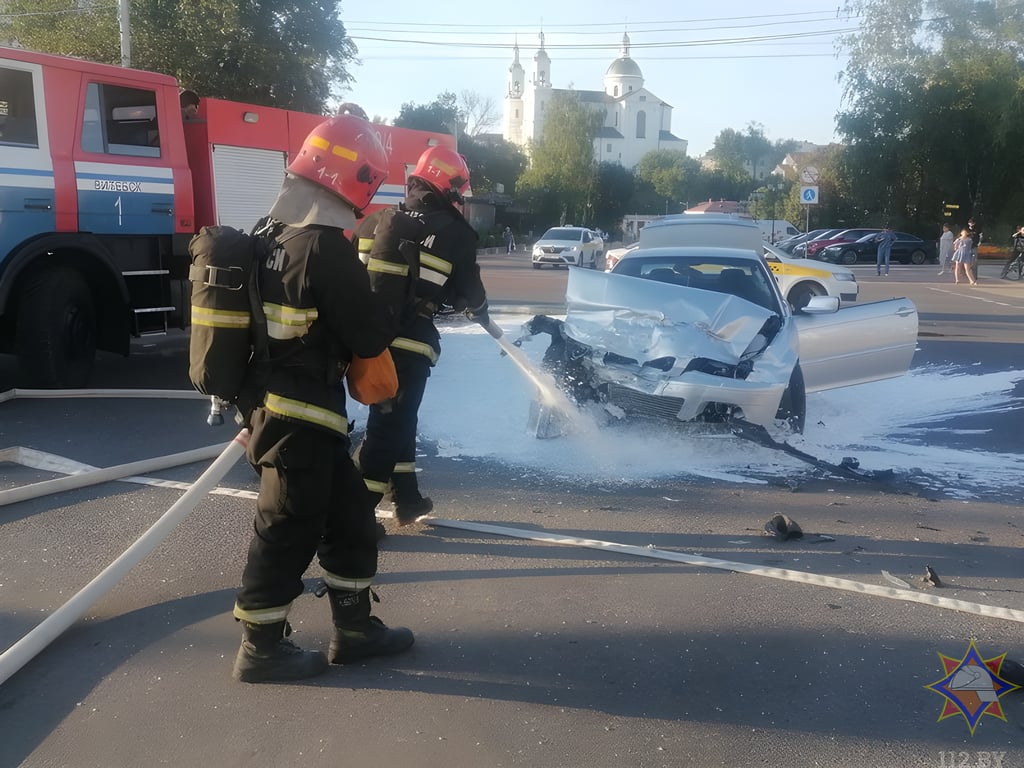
x=19, y=654
x=106, y=474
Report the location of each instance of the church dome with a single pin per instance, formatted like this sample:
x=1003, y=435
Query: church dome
x=623, y=67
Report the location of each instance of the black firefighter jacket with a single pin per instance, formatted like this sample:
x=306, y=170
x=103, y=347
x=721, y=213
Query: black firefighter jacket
x=419, y=260
x=320, y=312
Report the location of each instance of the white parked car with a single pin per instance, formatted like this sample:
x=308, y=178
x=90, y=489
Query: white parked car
x=568, y=247
x=612, y=255
x=704, y=334
x=802, y=279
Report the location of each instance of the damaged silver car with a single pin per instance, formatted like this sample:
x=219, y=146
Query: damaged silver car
x=704, y=334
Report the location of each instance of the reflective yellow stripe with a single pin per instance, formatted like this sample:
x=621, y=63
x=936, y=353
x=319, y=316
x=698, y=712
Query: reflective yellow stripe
x=387, y=267
x=434, y=262
x=405, y=466
x=319, y=142
x=365, y=244
x=334, y=581
x=376, y=486
x=288, y=322
x=219, y=318
x=433, y=277
x=411, y=345
x=789, y=269
x=345, y=152
x=314, y=414
x=262, y=615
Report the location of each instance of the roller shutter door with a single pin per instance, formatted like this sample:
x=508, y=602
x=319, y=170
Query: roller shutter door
x=246, y=183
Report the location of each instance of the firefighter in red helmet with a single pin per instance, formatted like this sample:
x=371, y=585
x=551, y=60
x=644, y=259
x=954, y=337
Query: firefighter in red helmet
x=312, y=501
x=421, y=259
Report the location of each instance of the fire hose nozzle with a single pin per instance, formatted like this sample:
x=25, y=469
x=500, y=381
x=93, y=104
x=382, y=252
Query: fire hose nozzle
x=215, y=418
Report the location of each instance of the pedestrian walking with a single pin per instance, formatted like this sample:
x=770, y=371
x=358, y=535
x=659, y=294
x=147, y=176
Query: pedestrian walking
x=946, y=248
x=885, y=239
x=510, y=240
x=963, y=257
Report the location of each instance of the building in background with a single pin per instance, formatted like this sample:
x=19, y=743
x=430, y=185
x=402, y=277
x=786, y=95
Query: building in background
x=635, y=120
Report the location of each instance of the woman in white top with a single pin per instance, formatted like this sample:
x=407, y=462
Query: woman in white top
x=945, y=247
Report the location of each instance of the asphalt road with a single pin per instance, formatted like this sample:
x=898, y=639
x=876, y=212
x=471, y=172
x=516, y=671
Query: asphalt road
x=528, y=653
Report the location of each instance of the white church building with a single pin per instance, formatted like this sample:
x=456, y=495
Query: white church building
x=635, y=120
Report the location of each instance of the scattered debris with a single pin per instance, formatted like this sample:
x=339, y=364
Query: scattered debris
x=927, y=527
x=894, y=581
x=931, y=577
x=783, y=528
x=848, y=467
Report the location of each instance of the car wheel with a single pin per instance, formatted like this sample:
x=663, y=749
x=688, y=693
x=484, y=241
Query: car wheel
x=848, y=258
x=793, y=406
x=536, y=265
x=918, y=257
x=802, y=293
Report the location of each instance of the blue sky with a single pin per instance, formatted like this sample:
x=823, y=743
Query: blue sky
x=719, y=65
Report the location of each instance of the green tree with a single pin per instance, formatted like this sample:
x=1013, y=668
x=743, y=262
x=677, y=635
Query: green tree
x=439, y=116
x=562, y=175
x=678, y=179
x=613, y=196
x=933, y=110
x=282, y=53
x=492, y=163
x=728, y=151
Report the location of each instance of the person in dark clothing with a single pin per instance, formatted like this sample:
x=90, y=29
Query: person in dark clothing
x=1016, y=249
x=419, y=258
x=312, y=501
x=974, y=232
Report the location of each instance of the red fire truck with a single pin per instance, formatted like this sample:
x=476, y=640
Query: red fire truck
x=102, y=185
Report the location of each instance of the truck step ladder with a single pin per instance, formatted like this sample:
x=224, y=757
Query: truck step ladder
x=151, y=300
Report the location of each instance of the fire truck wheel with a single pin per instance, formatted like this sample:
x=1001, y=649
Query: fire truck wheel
x=56, y=332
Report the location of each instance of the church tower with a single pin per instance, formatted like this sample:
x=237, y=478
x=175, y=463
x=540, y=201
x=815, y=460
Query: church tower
x=623, y=75
x=512, y=123
x=538, y=95
x=541, y=66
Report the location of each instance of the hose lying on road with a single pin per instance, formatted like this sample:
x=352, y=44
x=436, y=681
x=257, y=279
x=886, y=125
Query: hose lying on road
x=23, y=651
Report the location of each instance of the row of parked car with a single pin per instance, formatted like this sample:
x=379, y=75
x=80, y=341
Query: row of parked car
x=848, y=246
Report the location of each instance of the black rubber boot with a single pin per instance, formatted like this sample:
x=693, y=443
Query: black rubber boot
x=357, y=634
x=375, y=499
x=409, y=504
x=268, y=656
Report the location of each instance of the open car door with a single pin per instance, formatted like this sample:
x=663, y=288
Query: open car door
x=857, y=344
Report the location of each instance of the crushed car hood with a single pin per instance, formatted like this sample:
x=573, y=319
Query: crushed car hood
x=646, y=320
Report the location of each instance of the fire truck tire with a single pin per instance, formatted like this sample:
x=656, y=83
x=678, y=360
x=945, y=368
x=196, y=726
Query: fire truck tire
x=56, y=332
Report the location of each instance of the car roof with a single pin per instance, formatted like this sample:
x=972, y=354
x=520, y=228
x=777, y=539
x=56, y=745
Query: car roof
x=691, y=251
x=574, y=230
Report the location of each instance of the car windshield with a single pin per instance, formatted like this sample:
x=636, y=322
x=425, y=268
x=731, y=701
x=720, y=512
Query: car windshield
x=737, y=277
x=561, y=233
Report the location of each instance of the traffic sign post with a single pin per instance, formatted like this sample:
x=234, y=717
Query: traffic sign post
x=808, y=197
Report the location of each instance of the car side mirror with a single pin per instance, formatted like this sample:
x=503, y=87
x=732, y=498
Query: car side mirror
x=821, y=305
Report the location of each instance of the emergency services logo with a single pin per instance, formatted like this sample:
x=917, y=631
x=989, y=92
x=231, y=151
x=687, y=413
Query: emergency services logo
x=972, y=687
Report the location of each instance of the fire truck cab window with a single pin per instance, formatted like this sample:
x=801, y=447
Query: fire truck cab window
x=120, y=121
x=17, y=109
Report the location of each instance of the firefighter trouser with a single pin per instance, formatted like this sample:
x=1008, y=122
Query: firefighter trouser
x=312, y=501
x=389, y=444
